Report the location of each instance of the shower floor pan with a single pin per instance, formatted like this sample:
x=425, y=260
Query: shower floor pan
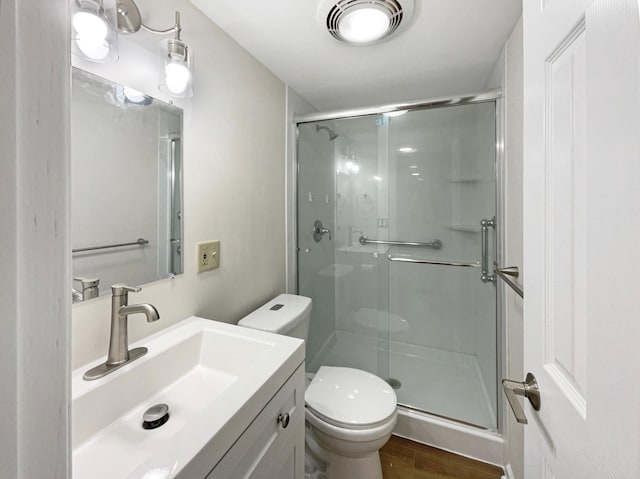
x=435, y=381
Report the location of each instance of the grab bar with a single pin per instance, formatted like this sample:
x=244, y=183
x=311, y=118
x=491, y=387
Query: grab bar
x=138, y=242
x=429, y=261
x=504, y=273
x=435, y=244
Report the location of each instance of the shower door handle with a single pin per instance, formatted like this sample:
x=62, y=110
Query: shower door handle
x=529, y=389
x=484, y=247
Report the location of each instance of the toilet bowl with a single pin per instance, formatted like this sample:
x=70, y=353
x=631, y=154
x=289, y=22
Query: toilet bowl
x=349, y=413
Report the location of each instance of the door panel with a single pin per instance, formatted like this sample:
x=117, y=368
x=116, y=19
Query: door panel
x=581, y=156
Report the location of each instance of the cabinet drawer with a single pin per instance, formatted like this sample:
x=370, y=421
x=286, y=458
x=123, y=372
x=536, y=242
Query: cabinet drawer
x=267, y=448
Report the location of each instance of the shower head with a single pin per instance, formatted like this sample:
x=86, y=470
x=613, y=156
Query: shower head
x=332, y=134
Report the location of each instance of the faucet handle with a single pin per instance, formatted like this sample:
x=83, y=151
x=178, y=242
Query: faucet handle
x=87, y=282
x=121, y=289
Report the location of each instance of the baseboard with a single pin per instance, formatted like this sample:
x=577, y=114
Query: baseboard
x=451, y=436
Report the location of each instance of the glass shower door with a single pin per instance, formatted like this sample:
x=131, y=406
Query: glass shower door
x=388, y=209
x=338, y=203
x=442, y=317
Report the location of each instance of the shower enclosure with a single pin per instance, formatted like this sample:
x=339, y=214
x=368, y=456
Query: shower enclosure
x=396, y=239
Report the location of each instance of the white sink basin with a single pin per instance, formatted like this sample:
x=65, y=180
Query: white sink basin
x=215, y=377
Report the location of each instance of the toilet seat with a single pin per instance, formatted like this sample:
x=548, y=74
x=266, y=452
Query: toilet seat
x=350, y=398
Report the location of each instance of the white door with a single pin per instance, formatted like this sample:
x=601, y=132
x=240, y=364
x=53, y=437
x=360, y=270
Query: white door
x=582, y=237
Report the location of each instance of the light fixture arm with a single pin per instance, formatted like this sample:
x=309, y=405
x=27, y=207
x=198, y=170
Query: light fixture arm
x=176, y=28
x=130, y=20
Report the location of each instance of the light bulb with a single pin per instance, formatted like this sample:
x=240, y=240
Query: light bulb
x=364, y=25
x=91, y=34
x=176, y=77
x=90, y=26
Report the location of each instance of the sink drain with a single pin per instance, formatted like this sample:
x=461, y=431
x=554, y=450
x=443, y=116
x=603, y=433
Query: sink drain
x=155, y=416
x=394, y=383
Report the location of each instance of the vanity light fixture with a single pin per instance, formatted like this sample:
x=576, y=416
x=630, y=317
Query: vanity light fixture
x=364, y=22
x=95, y=39
x=94, y=35
x=176, y=67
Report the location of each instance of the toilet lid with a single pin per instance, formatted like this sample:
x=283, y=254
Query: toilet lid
x=350, y=397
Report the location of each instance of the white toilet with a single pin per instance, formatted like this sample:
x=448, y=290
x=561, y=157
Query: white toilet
x=350, y=413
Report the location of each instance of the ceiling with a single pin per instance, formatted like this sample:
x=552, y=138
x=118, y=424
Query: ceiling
x=450, y=47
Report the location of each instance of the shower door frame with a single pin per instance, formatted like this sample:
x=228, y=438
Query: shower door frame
x=293, y=171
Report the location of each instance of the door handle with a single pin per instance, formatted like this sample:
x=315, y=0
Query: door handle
x=529, y=389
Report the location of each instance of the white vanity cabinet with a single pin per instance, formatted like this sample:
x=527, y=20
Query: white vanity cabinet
x=272, y=447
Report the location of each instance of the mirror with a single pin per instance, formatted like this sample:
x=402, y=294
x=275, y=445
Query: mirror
x=126, y=186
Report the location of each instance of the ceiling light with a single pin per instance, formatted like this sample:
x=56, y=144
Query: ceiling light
x=363, y=22
x=407, y=149
x=377, y=178
x=363, y=25
x=415, y=174
x=413, y=166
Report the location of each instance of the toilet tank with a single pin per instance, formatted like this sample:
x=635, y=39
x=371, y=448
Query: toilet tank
x=286, y=314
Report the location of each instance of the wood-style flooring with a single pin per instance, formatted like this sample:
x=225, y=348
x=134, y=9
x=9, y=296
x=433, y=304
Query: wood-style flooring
x=404, y=459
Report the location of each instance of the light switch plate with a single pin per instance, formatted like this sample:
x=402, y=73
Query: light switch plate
x=208, y=256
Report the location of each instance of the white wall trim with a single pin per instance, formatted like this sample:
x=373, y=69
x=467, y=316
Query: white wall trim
x=451, y=436
x=34, y=247
x=508, y=472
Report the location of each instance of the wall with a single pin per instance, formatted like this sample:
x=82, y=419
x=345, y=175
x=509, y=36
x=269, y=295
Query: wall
x=234, y=170
x=34, y=246
x=508, y=73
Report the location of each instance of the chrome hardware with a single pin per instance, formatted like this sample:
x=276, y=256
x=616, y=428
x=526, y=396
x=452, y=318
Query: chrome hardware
x=435, y=244
x=155, y=416
x=319, y=231
x=505, y=273
x=479, y=97
x=119, y=353
x=486, y=224
x=428, y=261
x=529, y=389
x=284, y=419
x=138, y=242
x=155, y=413
x=89, y=288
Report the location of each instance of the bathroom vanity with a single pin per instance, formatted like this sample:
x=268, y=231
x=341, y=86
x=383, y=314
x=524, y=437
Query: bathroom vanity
x=235, y=399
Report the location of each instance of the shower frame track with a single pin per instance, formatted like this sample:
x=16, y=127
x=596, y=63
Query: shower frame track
x=441, y=102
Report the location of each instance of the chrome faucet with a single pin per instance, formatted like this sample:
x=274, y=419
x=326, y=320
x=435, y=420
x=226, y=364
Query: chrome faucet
x=119, y=353
x=89, y=288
